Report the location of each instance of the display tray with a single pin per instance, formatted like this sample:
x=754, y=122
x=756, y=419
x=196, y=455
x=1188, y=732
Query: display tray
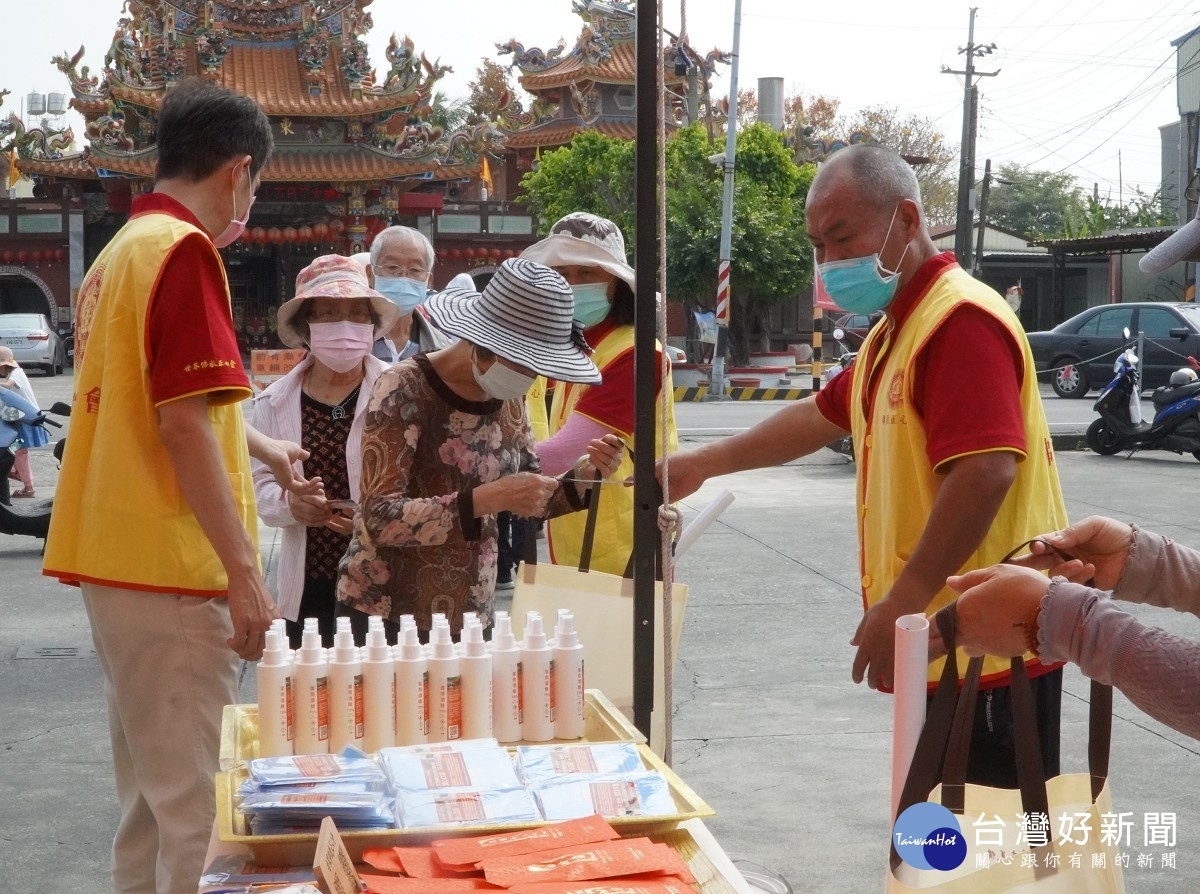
x=603, y=722
x=286, y=850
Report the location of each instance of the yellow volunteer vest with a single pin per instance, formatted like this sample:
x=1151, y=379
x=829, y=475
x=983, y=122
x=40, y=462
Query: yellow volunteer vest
x=535, y=406
x=897, y=487
x=613, y=543
x=120, y=518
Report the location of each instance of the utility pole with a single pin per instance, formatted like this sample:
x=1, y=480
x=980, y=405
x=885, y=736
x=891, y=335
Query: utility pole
x=977, y=267
x=716, y=388
x=966, y=175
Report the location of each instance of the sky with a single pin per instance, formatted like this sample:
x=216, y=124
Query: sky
x=1083, y=85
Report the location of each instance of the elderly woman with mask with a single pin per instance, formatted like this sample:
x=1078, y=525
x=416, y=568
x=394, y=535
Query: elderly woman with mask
x=589, y=252
x=447, y=445
x=321, y=404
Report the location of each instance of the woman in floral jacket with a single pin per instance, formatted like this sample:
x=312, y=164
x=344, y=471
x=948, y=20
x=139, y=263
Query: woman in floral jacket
x=447, y=445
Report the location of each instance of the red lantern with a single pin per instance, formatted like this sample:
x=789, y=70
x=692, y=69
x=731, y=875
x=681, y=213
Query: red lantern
x=469, y=253
x=35, y=257
x=259, y=235
x=510, y=253
x=320, y=230
x=274, y=235
x=290, y=234
x=22, y=257
x=306, y=234
x=8, y=257
x=497, y=254
x=337, y=226
x=440, y=254
x=59, y=254
x=455, y=254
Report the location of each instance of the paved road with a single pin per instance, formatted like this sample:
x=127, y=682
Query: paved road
x=768, y=726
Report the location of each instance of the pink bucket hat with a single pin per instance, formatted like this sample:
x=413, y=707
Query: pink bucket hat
x=333, y=276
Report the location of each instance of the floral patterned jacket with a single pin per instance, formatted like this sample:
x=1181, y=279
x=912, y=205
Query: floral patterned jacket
x=417, y=547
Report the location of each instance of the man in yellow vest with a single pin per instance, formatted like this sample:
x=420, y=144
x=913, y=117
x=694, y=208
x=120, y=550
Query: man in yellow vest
x=948, y=479
x=154, y=517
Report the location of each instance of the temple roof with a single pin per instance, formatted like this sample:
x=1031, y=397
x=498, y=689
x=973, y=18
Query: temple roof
x=558, y=133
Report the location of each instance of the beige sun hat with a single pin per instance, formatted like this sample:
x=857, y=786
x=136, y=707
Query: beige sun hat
x=584, y=240
x=7, y=359
x=333, y=276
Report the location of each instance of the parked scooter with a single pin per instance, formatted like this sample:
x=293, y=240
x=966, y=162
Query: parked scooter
x=845, y=357
x=32, y=519
x=1176, y=425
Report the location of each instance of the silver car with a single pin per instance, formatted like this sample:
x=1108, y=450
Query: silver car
x=33, y=341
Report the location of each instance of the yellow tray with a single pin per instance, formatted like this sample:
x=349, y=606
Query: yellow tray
x=603, y=722
x=288, y=850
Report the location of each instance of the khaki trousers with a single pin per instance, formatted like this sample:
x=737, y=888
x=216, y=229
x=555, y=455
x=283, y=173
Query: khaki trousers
x=168, y=674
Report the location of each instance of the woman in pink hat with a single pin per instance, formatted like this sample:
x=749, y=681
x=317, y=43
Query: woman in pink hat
x=321, y=405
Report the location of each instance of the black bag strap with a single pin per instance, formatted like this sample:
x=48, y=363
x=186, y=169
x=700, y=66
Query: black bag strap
x=591, y=499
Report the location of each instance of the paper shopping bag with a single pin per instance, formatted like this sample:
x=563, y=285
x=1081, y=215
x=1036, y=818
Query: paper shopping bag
x=603, y=608
x=1001, y=850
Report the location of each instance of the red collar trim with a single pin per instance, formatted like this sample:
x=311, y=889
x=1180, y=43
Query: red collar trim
x=160, y=203
x=910, y=296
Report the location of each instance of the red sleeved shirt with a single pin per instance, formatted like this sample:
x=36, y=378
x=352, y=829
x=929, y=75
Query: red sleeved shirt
x=191, y=345
x=969, y=347
x=611, y=402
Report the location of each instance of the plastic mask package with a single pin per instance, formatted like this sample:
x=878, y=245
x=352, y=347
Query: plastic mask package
x=420, y=809
x=355, y=810
x=453, y=745
x=327, y=787
x=304, y=768
x=629, y=794
x=547, y=763
x=474, y=769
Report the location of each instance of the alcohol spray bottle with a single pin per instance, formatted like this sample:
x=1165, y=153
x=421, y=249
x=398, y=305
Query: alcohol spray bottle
x=507, y=698
x=568, y=680
x=476, y=668
x=310, y=690
x=379, y=691
x=412, y=690
x=345, y=690
x=537, y=667
x=445, y=687
x=275, y=718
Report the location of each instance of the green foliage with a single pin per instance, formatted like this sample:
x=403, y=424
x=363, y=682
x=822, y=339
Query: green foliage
x=771, y=258
x=1104, y=215
x=1037, y=204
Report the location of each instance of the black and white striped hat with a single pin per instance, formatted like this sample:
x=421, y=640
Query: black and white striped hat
x=523, y=315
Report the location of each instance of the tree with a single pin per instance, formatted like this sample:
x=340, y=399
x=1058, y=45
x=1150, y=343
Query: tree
x=918, y=139
x=448, y=114
x=747, y=110
x=1038, y=204
x=491, y=91
x=772, y=260
x=1102, y=215
x=812, y=110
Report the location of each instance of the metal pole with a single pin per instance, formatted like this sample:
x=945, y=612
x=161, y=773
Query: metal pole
x=645, y=361
x=717, y=387
x=966, y=170
x=977, y=266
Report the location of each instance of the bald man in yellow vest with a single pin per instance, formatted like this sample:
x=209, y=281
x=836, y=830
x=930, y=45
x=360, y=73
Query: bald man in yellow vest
x=949, y=478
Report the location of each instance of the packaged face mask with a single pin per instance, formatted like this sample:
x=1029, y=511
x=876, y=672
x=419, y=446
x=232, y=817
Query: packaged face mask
x=631, y=794
x=479, y=768
x=462, y=807
x=306, y=768
x=356, y=809
x=546, y=763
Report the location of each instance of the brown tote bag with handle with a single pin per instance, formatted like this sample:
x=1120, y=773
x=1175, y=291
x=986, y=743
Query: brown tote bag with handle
x=1000, y=858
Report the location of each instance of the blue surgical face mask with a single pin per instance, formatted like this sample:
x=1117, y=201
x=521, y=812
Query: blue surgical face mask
x=407, y=294
x=862, y=285
x=591, y=302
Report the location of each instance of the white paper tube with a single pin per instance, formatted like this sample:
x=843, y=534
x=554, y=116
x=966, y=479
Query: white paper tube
x=908, y=707
x=700, y=523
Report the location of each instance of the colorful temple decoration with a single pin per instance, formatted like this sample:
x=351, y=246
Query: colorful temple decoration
x=356, y=146
x=591, y=87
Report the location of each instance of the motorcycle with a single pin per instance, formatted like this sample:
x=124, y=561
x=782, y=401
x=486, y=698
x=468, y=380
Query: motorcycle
x=33, y=518
x=1176, y=423
x=845, y=357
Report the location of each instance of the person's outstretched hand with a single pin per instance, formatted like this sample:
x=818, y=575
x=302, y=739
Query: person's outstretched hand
x=1092, y=550
x=997, y=611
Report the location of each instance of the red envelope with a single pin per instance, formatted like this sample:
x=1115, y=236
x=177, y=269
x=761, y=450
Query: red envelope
x=463, y=852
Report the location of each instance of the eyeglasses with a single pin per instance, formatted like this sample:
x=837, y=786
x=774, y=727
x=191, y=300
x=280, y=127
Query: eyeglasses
x=411, y=272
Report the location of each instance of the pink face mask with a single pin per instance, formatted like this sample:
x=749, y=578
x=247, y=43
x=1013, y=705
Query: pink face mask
x=341, y=346
x=237, y=227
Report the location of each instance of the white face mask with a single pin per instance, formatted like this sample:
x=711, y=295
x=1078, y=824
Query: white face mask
x=342, y=345
x=500, y=382
x=237, y=226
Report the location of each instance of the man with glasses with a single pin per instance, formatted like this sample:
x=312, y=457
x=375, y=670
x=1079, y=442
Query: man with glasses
x=402, y=268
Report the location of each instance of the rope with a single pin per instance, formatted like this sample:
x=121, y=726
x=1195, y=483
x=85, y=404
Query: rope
x=1112, y=353
x=665, y=512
